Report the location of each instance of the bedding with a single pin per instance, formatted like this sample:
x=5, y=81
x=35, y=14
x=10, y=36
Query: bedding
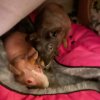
x=62, y=79
x=83, y=49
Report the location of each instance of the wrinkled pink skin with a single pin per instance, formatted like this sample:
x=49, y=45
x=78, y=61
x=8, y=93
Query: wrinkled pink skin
x=24, y=61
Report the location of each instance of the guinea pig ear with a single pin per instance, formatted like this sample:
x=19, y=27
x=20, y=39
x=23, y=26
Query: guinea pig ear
x=68, y=22
x=33, y=53
x=32, y=56
x=68, y=28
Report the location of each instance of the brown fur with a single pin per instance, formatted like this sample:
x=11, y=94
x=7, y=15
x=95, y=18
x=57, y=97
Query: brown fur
x=51, y=27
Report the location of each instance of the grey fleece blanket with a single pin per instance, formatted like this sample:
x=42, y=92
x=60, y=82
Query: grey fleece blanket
x=62, y=79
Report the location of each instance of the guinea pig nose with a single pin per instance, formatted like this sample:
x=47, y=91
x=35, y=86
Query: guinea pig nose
x=50, y=47
x=29, y=81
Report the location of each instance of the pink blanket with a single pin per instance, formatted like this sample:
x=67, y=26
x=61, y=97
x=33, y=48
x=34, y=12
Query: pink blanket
x=83, y=48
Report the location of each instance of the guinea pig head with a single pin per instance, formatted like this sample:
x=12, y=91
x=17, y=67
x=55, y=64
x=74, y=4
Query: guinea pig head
x=51, y=27
x=28, y=70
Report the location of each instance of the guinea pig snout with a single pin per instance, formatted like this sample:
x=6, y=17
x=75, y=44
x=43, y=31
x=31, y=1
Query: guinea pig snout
x=34, y=79
x=50, y=47
x=31, y=82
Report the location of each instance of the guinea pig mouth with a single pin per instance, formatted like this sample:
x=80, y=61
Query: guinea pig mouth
x=48, y=64
x=41, y=79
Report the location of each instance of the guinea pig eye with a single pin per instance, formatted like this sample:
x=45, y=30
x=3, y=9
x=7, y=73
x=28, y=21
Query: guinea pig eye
x=53, y=34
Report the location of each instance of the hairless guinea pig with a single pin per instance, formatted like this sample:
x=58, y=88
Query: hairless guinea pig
x=51, y=27
x=24, y=61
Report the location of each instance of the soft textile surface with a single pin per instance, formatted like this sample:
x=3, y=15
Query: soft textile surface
x=82, y=49
x=62, y=79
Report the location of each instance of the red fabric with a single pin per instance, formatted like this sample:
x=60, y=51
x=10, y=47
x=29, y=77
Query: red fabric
x=33, y=16
x=6, y=94
x=83, y=48
x=85, y=41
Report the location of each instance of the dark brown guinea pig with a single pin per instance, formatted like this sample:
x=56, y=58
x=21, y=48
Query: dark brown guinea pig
x=25, y=63
x=51, y=26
